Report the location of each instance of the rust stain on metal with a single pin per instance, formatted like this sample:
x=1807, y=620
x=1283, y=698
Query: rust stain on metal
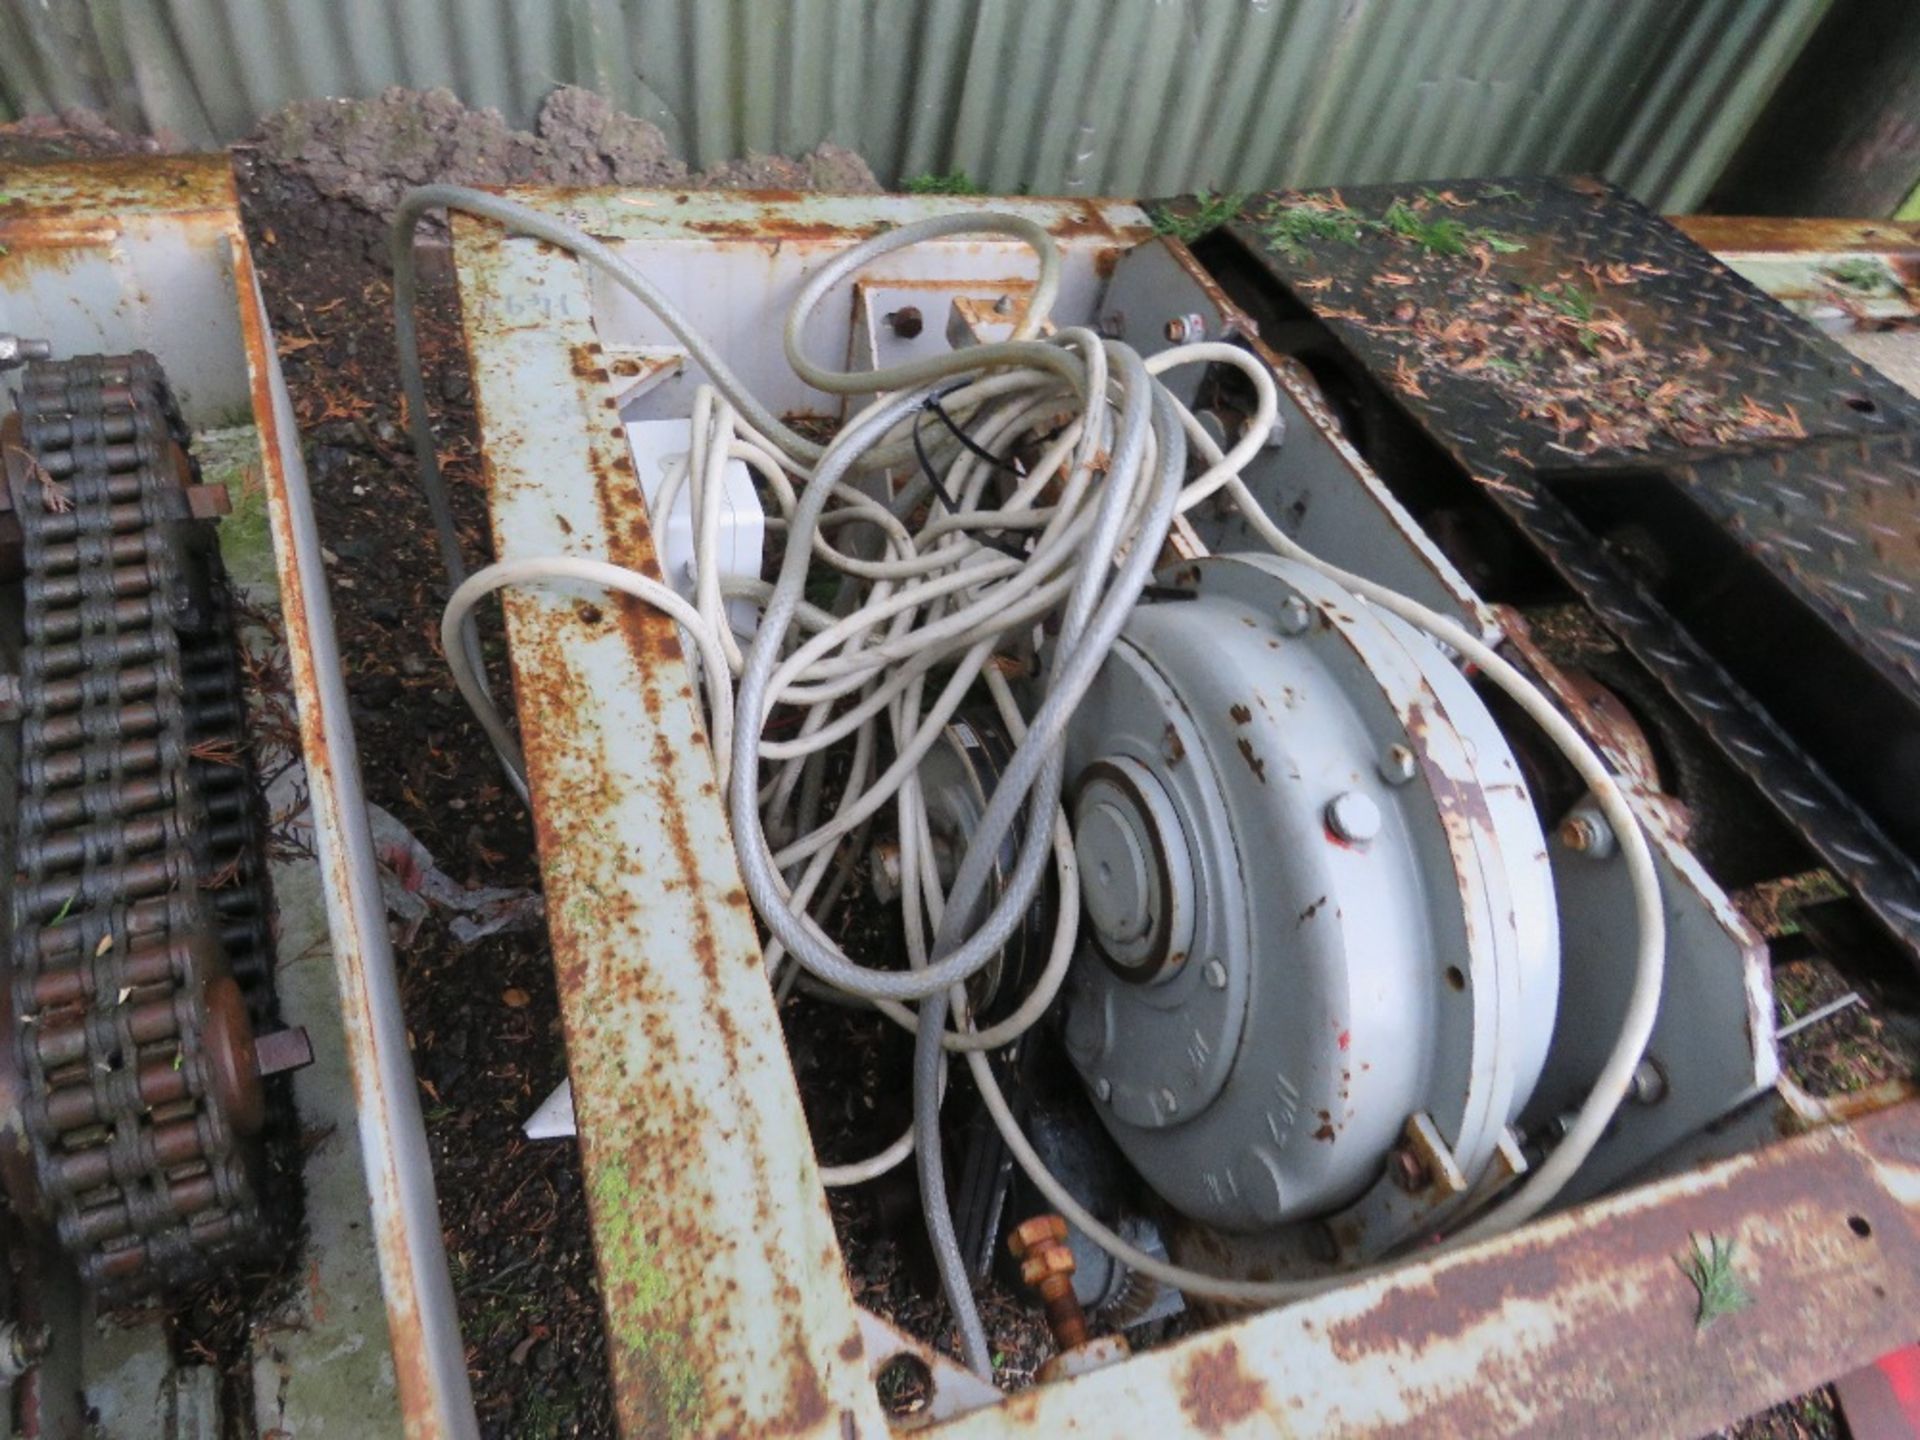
x=807, y=1404
x=411, y=1363
x=1626, y=750
x=1610, y=717
x=75, y=203
x=1216, y=1391
x=587, y=363
x=1635, y=1306
x=1767, y=234
x=1087, y=218
x=774, y=228
x=1046, y=1264
x=638, y=929
x=653, y=640
x=651, y=1352
x=1009, y=284
x=1581, y=1324
x=1233, y=320
x=1254, y=762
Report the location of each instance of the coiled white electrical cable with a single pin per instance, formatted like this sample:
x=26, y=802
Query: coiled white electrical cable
x=928, y=605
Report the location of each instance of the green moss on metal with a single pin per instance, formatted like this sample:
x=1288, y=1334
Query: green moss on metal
x=957, y=182
x=231, y=458
x=674, y=1400
x=1866, y=274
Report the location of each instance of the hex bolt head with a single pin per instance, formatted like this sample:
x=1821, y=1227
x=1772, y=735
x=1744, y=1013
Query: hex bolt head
x=283, y=1050
x=1046, y=1263
x=1294, y=616
x=208, y=502
x=1216, y=975
x=1187, y=329
x=1407, y=1170
x=1398, y=765
x=905, y=322
x=1585, y=832
x=1036, y=1234
x=1649, y=1084
x=1353, y=817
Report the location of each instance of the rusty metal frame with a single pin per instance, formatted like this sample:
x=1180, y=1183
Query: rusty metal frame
x=58, y=225
x=423, y=1322
x=1795, y=260
x=726, y=1299
x=1582, y=1324
x=726, y=1302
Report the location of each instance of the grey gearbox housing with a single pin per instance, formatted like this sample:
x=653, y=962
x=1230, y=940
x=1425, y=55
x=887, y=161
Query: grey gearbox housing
x=1319, y=904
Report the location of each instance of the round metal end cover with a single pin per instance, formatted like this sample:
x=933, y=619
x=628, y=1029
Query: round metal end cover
x=1136, y=879
x=1324, y=827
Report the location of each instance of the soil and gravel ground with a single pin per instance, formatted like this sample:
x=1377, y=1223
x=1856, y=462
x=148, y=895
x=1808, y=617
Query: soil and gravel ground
x=316, y=185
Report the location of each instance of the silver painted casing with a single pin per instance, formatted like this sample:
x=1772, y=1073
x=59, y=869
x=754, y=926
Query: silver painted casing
x=1341, y=979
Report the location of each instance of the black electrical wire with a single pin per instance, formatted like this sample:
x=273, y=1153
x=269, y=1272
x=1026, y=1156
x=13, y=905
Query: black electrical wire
x=995, y=539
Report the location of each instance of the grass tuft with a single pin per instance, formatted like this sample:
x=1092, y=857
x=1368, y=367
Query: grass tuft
x=1439, y=233
x=1210, y=212
x=1291, y=227
x=1711, y=1270
x=1570, y=300
x=956, y=182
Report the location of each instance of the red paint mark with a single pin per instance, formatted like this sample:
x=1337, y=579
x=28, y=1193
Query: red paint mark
x=1346, y=1039
x=1902, y=1369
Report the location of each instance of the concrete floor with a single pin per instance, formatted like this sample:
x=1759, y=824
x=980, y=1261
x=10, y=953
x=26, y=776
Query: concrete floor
x=1894, y=353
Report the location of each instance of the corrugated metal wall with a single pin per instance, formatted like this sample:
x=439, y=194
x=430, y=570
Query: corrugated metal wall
x=1124, y=97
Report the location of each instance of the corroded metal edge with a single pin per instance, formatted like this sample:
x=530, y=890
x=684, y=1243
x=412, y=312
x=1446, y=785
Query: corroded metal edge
x=723, y=1284
x=46, y=204
x=725, y=1295
x=1583, y=1324
x=1727, y=235
x=422, y=1319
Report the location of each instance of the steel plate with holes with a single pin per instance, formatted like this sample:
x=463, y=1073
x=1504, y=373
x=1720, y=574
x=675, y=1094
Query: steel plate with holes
x=1723, y=484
